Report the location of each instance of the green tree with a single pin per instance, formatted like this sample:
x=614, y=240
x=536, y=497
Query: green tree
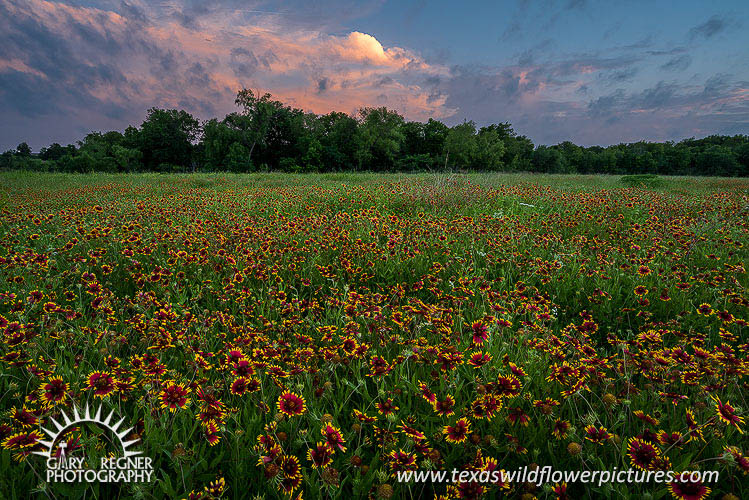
x=312, y=159
x=238, y=158
x=435, y=134
x=289, y=136
x=166, y=138
x=55, y=151
x=549, y=160
x=717, y=160
x=258, y=115
x=379, y=139
x=83, y=162
x=490, y=150
x=126, y=159
x=337, y=134
x=6, y=160
x=217, y=138
x=460, y=147
x=23, y=150
x=742, y=156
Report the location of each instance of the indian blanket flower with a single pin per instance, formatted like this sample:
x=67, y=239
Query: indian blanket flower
x=645, y=417
x=320, y=455
x=24, y=418
x=382, y=344
x=243, y=368
x=401, y=460
x=22, y=444
x=705, y=309
x=741, y=460
x=642, y=454
x=426, y=393
x=173, y=396
x=290, y=466
x=687, y=486
x=560, y=428
x=211, y=431
x=516, y=370
x=411, y=432
x=597, y=435
x=239, y=386
x=726, y=317
x=507, y=386
x=457, y=433
x=479, y=359
x=363, y=417
x=22, y=440
x=268, y=448
x=546, y=405
x=480, y=332
x=333, y=437
x=291, y=404
x=560, y=490
x=670, y=438
x=292, y=473
x=491, y=404
x=387, y=407
x=517, y=415
x=695, y=430
x=101, y=383
x=727, y=414
x=445, y=407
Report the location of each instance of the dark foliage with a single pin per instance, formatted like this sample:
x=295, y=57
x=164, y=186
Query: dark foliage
x=269, y=135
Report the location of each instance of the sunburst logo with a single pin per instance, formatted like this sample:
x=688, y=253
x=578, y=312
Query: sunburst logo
x=130, y=466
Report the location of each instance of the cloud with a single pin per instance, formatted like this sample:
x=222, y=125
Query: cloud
x=621, y=75
x=542, y=13
x=529, y=56
x=361, y=47
x=657, y=97
x=604, y=106
x=643, y=43
x=322, y=85
x=667, y=52
x=133, y=12
x=679, y=63
x=671, y=111
x=717, y=85
x=512, y=31
x=551, y=110
x=66, y=69
x=709, y=28
x=115, y=64
x=243, y=62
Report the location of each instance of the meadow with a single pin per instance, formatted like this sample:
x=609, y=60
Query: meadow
x=273, y=336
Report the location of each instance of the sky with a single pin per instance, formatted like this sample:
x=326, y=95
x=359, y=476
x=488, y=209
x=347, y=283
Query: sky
x=592, y=72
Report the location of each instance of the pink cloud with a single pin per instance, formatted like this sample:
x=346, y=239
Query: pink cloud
x=20, y=66
x=359, y=70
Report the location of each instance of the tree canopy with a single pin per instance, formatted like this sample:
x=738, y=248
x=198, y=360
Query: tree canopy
x=266, y=134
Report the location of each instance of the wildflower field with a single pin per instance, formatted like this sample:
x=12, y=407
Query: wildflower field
x=281, y=336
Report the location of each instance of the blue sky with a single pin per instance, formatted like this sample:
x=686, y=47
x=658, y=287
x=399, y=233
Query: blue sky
x=580, y=70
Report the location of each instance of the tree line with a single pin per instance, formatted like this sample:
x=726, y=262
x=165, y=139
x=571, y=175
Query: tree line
x=265, y=134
